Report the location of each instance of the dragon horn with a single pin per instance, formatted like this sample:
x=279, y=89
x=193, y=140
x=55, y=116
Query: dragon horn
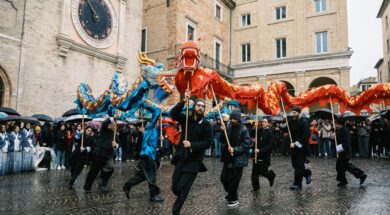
x=144, y=60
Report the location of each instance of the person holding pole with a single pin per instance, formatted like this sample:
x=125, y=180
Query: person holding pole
x=299, y=131
x=342, y=163
x=147, y=165
x=191, y=149
x=263, y=151
x=234, y=155
x=104, y=151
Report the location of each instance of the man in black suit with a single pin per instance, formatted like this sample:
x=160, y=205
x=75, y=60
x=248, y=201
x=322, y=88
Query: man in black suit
x=189, y=153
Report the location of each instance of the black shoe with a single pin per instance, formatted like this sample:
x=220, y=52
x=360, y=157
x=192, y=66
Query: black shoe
x=363, y=179
x=342, y=184
x=295, y=187
x=156, y=198
x=71, y=184
x=87, y=189
x=272, y=179
x=126, y=191
x=233, y=203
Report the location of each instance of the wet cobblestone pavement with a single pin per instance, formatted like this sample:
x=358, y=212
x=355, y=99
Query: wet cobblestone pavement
x=47, y=192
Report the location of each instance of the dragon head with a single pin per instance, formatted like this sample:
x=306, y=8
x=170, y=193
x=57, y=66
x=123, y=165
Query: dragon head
x=189, y=56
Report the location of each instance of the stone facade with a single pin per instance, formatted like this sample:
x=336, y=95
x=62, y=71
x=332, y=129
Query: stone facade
x=383, y=66
x=43, y=59
x=303, y=66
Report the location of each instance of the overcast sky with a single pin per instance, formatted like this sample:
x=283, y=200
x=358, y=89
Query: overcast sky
x=365, y=38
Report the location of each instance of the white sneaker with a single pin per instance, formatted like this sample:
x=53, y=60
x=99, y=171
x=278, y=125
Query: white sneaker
x=58, y=167
x=233, y=203
x=63, y=167
x=120, y=159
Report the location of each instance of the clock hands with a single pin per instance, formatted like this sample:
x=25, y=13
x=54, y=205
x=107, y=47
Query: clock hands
x=95, y=16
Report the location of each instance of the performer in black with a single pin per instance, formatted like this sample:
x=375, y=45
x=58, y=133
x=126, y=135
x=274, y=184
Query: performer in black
x=235, y=157
x=147, y=165
x=104, y=151
x=189, y=154
x=80, y=155
x=263, y=151
x=343, y=147
x=300, y=133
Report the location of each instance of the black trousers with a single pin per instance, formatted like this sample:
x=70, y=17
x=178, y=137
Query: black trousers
x=298, y=162
x=181, y=186
x=147, y=171
x=230, y=178
x=343, y=165
x=77, y=164
x=102, y=165
x=260, y=168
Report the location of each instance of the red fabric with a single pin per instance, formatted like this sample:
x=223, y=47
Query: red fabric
x=173, y=134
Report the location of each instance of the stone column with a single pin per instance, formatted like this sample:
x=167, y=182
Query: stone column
x=301, y=83
x=262, y=81
x=344, y=78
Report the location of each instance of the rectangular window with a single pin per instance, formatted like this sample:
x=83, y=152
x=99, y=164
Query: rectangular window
x=218, y=53
x=281, y=12
x=322, y=42
x=388, y=45
x=246, y=52
x=281, y=48
x=191, y=30
x=387, y=22
x=218, y=12
x=246, y=20
x=143, y=40
x=320, y=5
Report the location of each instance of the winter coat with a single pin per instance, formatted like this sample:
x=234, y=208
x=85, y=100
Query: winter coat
x=240, y=141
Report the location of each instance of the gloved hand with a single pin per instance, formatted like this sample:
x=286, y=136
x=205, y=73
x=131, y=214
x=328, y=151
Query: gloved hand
x=298, y=144
x=339, y=148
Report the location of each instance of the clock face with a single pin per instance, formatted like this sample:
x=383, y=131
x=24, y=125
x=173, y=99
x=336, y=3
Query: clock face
x=95, y=22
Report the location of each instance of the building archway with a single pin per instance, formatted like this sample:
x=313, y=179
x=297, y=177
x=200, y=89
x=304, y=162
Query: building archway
x=5, y=89
x=317, y=82
x=321, y=81
x=290, y=88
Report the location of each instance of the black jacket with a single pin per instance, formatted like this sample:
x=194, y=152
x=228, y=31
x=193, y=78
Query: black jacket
x=241, y=143
x=61, y=140
x=300, y=131
x=199, y=134
x=89, y=141
x=264, y=144
x=103, y=147
x=343, y=137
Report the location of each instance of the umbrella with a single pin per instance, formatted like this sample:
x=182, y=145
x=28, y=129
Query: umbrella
x=3, y=115
x=43, y=117
x=277, y=118
x=10, y=118
x=28, y=119
x=72, y=112
x=385, y=113
x=350, y=116
x=77, y=119
x=9, y=111
x=323, y=114
x=58, y=120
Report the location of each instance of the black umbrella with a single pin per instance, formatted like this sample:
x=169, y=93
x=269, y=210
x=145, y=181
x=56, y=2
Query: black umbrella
x=10, y=118
x=25, y=119
x=29, y=119
x=323, y=114
x=385, y=113
x=9, y=111
x=350, y=116
x=43, y=117
x=72, y=112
